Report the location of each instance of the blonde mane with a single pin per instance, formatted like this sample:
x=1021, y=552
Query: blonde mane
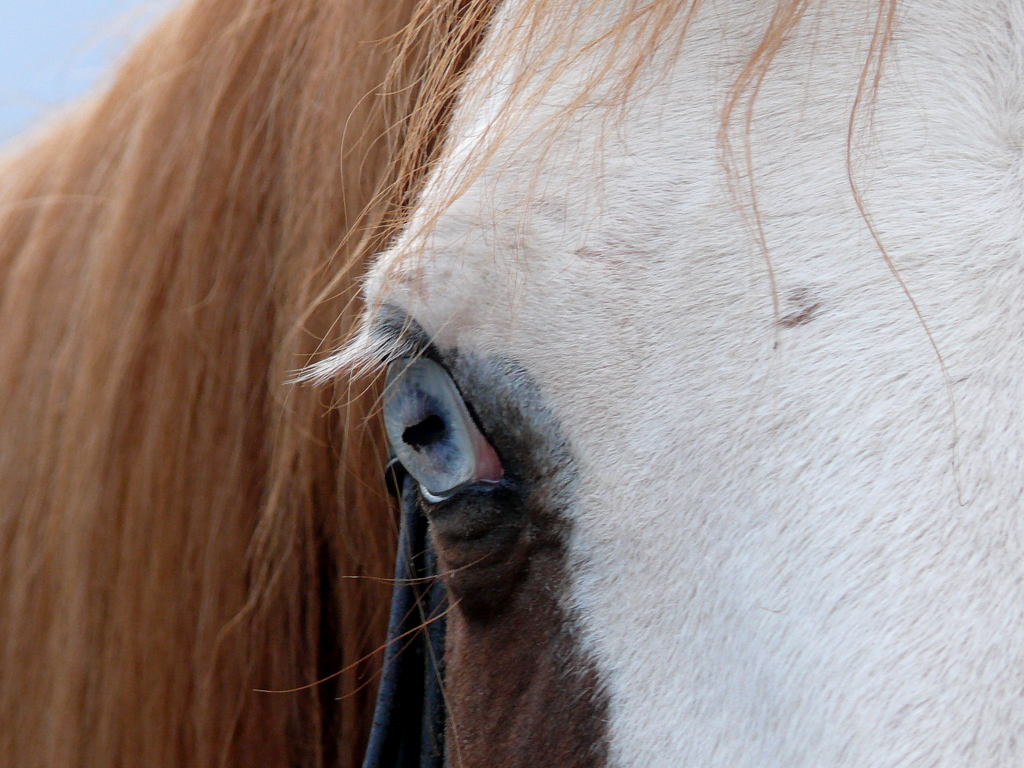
x=179, y=527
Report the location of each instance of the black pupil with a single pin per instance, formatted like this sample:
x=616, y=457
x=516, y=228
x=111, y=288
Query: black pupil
x=426, y=432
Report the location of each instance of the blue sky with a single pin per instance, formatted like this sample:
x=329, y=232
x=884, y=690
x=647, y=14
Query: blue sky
x=54, y=50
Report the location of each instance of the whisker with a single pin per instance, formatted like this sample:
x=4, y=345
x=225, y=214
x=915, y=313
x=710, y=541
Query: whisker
x=357, y=662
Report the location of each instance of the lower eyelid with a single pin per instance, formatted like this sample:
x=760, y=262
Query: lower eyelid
x=432, y=499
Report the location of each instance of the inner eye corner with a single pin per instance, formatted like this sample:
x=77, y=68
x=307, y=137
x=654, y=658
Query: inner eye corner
x=424, y=433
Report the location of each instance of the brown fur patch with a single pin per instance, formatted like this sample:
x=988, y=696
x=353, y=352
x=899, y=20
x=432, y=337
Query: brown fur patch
x=520, y=692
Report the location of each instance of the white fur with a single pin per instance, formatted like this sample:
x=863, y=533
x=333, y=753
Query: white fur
x=786, y=552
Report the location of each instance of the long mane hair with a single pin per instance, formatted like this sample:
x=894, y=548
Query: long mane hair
x=181, y=530
x=178, y=528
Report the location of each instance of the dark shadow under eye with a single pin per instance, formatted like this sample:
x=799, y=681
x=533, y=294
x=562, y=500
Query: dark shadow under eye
x=425, y=433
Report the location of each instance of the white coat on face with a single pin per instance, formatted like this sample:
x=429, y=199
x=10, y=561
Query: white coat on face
x=786, y=551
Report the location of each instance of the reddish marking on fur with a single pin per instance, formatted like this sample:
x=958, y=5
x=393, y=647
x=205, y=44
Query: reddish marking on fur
x=804, y=308
x=799, y=318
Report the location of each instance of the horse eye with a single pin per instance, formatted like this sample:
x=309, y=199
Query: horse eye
x=432, y=433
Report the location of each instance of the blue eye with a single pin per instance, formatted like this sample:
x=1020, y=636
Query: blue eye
x=431, y=431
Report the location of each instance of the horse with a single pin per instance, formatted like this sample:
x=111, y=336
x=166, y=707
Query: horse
x=687, y=327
